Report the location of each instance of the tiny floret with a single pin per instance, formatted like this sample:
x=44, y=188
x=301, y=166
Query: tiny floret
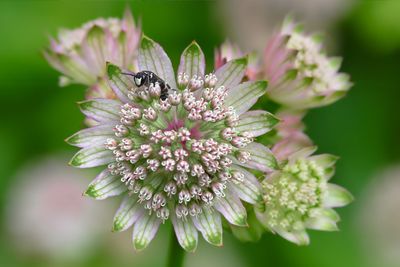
x=299, y=196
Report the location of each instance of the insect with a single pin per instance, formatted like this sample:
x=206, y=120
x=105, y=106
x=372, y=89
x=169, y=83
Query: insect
x=147, y=78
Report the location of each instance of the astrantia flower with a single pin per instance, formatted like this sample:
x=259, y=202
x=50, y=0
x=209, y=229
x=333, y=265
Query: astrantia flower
x=299, y=196
x=80, y=54
x=300, y=74
x=187, y=158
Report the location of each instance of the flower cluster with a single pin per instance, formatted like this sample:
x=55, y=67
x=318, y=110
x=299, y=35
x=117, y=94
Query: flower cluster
x=301, y=76
x=299, y=196
x=80, y=54
x=187, y=158
x=187, y=148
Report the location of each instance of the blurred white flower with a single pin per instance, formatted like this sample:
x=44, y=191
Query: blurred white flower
x=47, y=214
x=380, y=219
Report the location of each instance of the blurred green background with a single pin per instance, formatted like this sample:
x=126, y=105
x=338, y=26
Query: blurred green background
x=363, y=128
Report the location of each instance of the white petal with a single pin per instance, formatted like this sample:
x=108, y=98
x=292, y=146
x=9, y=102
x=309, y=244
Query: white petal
x=243, y=96
x=300, y=238
x=328, y=173
x=249, y=189
x=120, y=83
x=192, y=61
x=337, y=196
x=321, y=223
x=105, y=185
x=72, y=66
x=185, y=232
x=256, y=122
x=96, y=135
x=261, y=158
x=92, y=156
x=94, y=49
x=232, y=209
x=324, y=160
x=302, y=153
x=232, y=73
x=144, y=230
x=209, y=224
x=326, y=213
x=152, y=57
x=101, y=110
x=127, y=214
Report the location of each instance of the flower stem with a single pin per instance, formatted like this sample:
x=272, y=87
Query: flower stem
x=176, y=254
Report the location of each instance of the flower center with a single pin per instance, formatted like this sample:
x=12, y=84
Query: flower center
x=291, y=198
x=176, y=154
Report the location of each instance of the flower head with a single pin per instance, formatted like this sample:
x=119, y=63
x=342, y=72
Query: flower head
x=300, y=74
x=186, y=158
x=299, y=196
x=80, y=54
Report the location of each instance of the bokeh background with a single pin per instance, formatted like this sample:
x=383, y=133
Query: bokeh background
x=44, y=220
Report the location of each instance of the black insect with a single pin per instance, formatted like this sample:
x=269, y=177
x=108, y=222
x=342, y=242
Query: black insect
x=147, y=78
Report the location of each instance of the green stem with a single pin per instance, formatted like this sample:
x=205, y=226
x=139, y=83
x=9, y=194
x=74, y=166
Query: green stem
x=176, y=254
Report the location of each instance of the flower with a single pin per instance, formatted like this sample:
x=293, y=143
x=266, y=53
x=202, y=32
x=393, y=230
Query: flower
x=299, y=196
x=187, y=158
x=80, y=54
x=47, y=216
x=300, y=75
x=378, y=218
